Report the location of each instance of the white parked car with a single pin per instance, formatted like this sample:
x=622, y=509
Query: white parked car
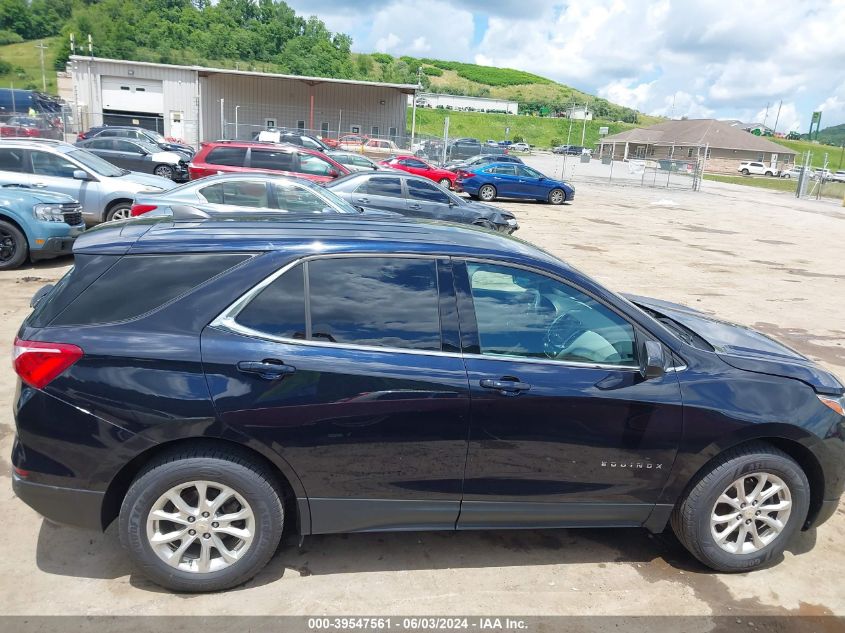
x=520, y=147
x=822, y=174
x=754, y=167
x=838, y=176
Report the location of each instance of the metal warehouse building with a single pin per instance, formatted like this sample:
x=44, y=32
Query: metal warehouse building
x=194, y=103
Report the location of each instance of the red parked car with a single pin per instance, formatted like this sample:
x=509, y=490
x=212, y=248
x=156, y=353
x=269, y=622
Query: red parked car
x=417, y=166
x=224, y=157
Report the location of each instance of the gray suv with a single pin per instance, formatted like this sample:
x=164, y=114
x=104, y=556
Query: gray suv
x=104, y=191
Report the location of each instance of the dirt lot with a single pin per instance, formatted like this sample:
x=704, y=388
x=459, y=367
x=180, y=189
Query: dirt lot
x=758, y=258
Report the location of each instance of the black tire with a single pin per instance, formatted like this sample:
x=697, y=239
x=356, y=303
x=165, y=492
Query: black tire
x=254, y=482
x=768, y=173
x=691, y=517
x=13, y=246
x=165, y=171
x=557, y=196
x=120, y=209
x=487, y=193
x=786, y=176
x=745, y=172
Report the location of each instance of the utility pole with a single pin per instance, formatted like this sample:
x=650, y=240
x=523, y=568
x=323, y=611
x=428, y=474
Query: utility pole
x=777, y=118
x=571, y=110
x=766, y=116
x=41, y=49
x=414, y=109
x=584, y=129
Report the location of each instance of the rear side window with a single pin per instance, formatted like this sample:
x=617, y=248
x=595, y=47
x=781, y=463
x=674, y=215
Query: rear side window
x=11, y=159
x=381, y=186
x=137, y=284
x=229, y=156
x=419, y=190
x=373, y=301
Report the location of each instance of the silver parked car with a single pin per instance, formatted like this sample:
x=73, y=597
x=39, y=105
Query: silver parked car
x=354, y=161
x=228, y=193
x=104, y=190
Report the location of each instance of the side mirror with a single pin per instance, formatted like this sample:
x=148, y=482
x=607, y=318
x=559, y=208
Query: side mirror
x=80, y=174
x=333, y=173
x=652, y=360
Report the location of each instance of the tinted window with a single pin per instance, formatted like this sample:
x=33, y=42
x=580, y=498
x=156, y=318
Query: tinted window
x=413, y=162
x=375, y=301
x=524, y=314
x=126, y=146
x=229, y=156
x=45, y=164
x=419, y=190
x=139, y=283
x=382, y=186
x=509, y=170
x=243, y=193
x=99, y=144
x=271, y=159
x=11, y=159
x=522, y=170
x=279, y=309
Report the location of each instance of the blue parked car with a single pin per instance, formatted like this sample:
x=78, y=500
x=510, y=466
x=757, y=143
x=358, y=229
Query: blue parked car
x=36, y=225
x=209, y=383
x=507, y=180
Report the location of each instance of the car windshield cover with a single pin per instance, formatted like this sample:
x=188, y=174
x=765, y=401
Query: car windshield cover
x=95, y=163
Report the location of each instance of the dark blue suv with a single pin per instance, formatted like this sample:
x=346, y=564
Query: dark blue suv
x=207, y=383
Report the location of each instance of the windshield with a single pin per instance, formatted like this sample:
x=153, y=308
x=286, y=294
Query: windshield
x=95, y=163
x=158, y=138
x=335, y=200
x=149, y=147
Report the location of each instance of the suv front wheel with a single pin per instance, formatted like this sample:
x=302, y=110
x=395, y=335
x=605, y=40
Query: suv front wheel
x=202, y=520
x=743, y=510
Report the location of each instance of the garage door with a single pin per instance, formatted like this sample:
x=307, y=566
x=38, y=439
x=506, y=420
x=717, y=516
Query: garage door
x=127, y=94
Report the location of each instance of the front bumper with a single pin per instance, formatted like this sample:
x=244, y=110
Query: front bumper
x=69, y=506
x=54, y=246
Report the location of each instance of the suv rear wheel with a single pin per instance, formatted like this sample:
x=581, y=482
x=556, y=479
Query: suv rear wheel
x=202, y=520
x=742, y=512
x=119, y=211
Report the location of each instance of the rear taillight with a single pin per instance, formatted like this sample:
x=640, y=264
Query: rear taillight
x=80, y=136
x=462, y=174
x=141, y=209
x=38, y=363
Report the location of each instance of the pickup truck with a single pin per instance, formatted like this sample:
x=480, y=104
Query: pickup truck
x=468, y=147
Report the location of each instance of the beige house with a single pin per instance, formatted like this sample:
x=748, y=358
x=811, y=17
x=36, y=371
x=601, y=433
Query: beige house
x=720, y=144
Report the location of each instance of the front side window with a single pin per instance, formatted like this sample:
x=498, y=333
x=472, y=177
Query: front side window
x=126, y=146
x=522, y=170
x=419, y=190
x=524, y=314
x=271, y=159
x=241, y=193
x=44, y=164
x=310, y=164
x=372, y=301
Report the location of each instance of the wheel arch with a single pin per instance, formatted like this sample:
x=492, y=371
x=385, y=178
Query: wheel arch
x=7, y=216
x=295, y=501
x=782, y=437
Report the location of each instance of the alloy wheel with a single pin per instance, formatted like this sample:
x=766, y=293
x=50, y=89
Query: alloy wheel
x=556, y=196
x=8, y=246
x=751, y=513
x=487, y=192
x=200, y=527
x=122, y=213
x=163, y=171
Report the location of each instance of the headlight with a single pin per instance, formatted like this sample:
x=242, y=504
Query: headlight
x=512, y=222
x=149, y=189
x=48, y=212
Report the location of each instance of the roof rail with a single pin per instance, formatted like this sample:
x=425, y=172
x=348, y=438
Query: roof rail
x=30, y=139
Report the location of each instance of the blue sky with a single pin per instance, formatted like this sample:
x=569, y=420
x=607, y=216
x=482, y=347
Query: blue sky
x=681, y=58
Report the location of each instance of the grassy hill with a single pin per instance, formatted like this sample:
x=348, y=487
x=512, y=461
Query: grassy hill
x=834, y=154
x=539, y=131
x=25, y=62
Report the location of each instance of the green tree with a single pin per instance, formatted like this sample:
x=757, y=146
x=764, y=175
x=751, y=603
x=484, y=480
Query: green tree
x=16, y=16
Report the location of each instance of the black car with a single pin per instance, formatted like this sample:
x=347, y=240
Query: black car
x=481, y=159
x=208, y=383
x=138, y=155
x=418, y=197
x=572, y=150
x=464, y=148
x=139, y=134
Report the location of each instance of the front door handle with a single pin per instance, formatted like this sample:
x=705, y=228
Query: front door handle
x=39, y=185
x=269, y=368
x=413, y=206
x=362, y=200
x=506, y=386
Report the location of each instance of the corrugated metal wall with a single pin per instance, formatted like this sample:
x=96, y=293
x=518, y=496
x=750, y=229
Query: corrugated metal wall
x=287, y=102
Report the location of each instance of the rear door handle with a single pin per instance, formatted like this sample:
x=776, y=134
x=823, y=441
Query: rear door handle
x=39, y=185
x=269, y=368
x=506, y=386
x=362, y=200
x=413, y=206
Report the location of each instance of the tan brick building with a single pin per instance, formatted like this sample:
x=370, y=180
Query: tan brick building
x=722, y=145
